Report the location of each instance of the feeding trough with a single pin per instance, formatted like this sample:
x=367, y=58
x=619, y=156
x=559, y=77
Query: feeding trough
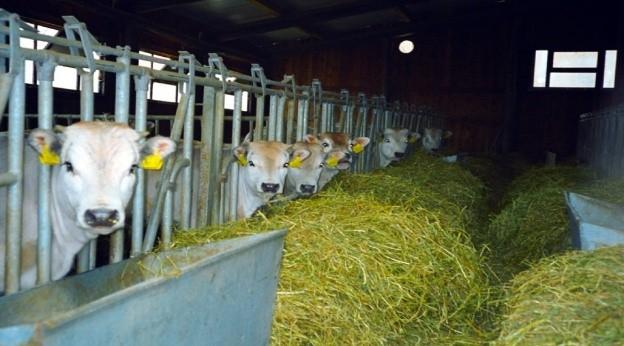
x=594, y=223
x=220, y=293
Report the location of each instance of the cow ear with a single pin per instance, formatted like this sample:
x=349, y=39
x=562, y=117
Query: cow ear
x=159, y=145
x=240, y=153
x=404, y=132
x=413, y=137
x=302, y=154
x=41, y=140
x=332, y=159
x=363, y=141
x=48, y=144
x=310, y=139
x=447, y=134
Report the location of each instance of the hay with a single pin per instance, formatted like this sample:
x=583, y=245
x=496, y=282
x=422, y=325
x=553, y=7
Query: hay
x=358, y=271
x=573, y=299
x=610, y=190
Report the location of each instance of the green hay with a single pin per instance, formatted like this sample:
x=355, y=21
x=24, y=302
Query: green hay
x=610, y=190
x=573, y=299
x=358, y=271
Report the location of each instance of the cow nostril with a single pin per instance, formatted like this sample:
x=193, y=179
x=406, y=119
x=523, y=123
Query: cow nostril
x=101, y=217
x=399, y=155
x=266, y=187
x=305, y=188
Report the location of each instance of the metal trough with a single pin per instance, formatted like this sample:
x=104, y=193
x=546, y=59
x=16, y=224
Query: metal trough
x=216, y=294
x=594, y=223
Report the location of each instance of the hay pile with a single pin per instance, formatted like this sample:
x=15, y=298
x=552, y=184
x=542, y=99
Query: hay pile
x=357, y=271
x=533, y=221
x=373, y=265
x=572, y=299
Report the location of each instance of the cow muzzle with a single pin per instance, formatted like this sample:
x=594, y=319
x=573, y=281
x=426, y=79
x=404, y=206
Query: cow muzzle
x=101, y=217
x=399, y=155
x=307, y=189
x=268, y=187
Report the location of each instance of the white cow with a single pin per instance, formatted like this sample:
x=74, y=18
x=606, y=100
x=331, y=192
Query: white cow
x=432, y=139
x=90, y=188
x=394, y=145
x=304, y=171
x=340, y=149
x=262, y=174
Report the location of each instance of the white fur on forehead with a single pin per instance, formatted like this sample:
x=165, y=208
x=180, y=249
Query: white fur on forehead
x=101, y=139
x=269, y=149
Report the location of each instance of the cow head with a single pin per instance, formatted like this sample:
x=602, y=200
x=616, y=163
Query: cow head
x=394, y=143
x=341, y=148
x=263, y=166
x=306, y=164
x=95, y=173
x=432, y=139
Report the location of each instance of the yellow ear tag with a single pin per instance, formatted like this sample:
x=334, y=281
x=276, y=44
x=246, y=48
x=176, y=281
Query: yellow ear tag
x=296, y=162
x=242, y=160
x=48, y=157
x=153, y=162
x=332, y=162
x=358, y=148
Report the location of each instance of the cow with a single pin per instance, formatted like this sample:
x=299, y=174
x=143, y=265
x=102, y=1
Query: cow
x=340, y=148
x=264, y=165
x=304, y=171
x=90, y=188
x=432, y=139
x=394, y=145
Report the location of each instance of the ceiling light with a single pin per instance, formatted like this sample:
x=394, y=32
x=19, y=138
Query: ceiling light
x=406, y=46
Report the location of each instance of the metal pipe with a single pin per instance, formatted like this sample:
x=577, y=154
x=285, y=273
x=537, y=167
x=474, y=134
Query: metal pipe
x=206, y=178
x=122, y=110
x=259, y=118
x=45, y=106
x=15, y=191
x=279, y=124
x=141, y=84
x=166, y=230
x=290, y=121
x=236, y=134
x=301, y=125
x=217, y=154
x=187, y=173
x=272, y=117
x=86, y=95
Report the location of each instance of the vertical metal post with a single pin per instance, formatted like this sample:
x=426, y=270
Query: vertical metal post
x=279, y=124
x=317, y=101
x=324, y=117
x=15, y=165
x=122, y=110
x=301, y=125
x=217, y=153
x=207, y=178
x=141, y=84
x=290, y=117
x=236, y=134
x=272, y=117
x=306, y=113
x=86, y=114
x=259, y=80
x=187, y=152
x=45, y=76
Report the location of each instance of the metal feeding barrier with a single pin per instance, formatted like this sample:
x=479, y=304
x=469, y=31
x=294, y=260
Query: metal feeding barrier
x=293, y=111
x=600, y=141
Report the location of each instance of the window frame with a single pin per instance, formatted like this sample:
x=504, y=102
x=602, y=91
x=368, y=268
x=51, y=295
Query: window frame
x=600, y=71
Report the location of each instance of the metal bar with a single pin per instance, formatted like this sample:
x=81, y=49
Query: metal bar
x=167, y=217
x=259, y=118
x=122, y=110
x=86, y=95
x=290, y=121
x=155, y=216
x=141, y=84
x=272, y=117
x=301, y=125
x=206, y=178
x=236, y=134
x=8, y=178
x=187, y=173
x=217, y=153
x=45, y=106
x=15, y=191
x=324, y=116
x=279, y=124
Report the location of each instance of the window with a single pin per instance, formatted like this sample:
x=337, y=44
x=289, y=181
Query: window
x=229, y=98
x=574, y=69
x=64, y=77
x=159, y=91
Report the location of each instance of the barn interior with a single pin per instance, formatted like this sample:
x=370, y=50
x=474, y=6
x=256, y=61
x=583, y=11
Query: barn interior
x=516, y=82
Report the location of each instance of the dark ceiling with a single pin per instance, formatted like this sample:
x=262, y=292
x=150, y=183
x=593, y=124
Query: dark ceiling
x=258, y=25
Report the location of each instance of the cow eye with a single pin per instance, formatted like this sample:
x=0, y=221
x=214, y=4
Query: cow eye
x=286, y=165
x=321, y=165
x=386, y=140
x=133, y=169
x=251, y=164
x=68, y=167
x=325, y=145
